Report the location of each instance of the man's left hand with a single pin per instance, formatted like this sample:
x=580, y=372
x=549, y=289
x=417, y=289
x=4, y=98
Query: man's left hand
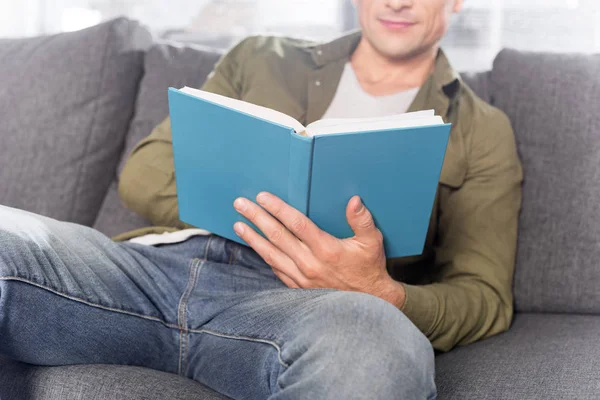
x=304, y=256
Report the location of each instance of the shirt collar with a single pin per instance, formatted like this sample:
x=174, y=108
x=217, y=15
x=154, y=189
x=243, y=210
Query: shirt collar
x=445, y=79
x=342, y=47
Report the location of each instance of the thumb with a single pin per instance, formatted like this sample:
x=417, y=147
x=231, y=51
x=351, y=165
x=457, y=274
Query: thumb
x=360, y=219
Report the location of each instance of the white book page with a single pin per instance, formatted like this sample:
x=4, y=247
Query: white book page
x=374, y=124
x=317, y=125
x=248, y=108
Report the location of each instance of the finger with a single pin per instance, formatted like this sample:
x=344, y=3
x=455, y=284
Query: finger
x=275, y=232
x=289, y=282
x=273, y=256
x=296, y=222
x=361, y=221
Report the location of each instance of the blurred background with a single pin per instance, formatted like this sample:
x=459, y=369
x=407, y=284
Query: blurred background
x=476, y=35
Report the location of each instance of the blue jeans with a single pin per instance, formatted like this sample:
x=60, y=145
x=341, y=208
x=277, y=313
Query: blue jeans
x=207, y=308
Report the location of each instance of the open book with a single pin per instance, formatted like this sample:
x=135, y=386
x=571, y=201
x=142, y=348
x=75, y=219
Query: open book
x=225, y=148
x=324, y=126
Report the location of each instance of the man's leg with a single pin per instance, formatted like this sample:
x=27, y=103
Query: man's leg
x=250, y=341
x=70, y=295
x=207, y=308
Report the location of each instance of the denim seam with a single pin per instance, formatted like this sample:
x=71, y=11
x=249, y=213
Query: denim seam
x=77, y=299
x=250, y=339
x=154, y=319
x=181, y=327
x=187, y=347
x=195, y=265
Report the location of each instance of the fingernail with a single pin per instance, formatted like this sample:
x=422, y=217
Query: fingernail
x=240, y=204
x=238, y=228
x=358, y=208
x=262, y=198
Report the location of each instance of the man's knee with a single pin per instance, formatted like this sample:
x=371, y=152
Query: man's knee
x=20, y=224
x=364, y=343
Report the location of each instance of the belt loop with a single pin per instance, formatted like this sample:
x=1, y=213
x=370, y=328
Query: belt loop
x=207, y=250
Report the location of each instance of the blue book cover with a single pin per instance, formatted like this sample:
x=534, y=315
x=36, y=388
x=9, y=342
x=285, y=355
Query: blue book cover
x=223, y=152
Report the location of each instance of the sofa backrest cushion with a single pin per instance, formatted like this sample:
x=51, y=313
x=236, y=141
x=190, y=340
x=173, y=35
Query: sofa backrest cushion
x=65, y=104
x=166, y=65
x=480, y=83
x=552, y=101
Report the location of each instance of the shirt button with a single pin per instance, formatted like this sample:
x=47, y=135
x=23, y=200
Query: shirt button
x=317, y=83
x=319, y=52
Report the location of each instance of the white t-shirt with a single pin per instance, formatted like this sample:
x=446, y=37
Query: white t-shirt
x=349, y=101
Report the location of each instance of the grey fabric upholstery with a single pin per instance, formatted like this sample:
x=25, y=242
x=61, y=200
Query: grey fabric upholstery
x=552, y=101
x=480, y=83
x=63, y=133
x=543, y=356
x=166, y=65
x=96, y=382
x=65, y=104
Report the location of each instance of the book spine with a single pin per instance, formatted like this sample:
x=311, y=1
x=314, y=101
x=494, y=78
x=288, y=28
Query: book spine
x=301, y=152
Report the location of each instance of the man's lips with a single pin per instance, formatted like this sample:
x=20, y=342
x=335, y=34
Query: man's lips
x=396, y=25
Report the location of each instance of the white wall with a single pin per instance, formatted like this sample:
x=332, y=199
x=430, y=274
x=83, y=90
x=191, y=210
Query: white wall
x=542, y=25
x=34, y=17
x=19, y=18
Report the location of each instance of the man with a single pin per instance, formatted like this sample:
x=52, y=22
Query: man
x=322, y=317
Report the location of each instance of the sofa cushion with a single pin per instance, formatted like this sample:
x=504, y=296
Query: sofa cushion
x=552, y=101
x=543, y=356
x=166, y=65
x=65, y=104
x=96, y=382
x=479, y=82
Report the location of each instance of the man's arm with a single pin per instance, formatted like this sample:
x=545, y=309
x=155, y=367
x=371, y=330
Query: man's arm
x=477, y=235
x=147, y=183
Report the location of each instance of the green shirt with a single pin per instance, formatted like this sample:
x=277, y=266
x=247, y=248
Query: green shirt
x=460, y=289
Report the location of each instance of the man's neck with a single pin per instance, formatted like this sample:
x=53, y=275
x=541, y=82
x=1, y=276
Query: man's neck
x=381, y=76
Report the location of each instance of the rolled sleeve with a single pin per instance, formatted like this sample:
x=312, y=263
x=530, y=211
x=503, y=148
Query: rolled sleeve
x=471, y=297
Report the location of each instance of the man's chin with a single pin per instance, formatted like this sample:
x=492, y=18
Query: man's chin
x=400, y=53
x=396, y=48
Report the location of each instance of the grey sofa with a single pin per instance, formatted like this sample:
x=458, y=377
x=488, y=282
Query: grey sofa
x=73, y=105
